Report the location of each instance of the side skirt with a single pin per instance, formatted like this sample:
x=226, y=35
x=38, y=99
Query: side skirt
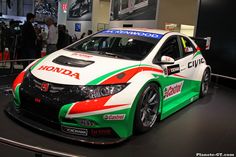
x=178, y=104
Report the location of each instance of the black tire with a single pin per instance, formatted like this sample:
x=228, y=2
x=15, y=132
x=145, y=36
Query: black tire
x=206, y=78
x=147, y=108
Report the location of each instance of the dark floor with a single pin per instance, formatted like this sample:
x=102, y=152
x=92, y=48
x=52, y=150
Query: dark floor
x=206, y=126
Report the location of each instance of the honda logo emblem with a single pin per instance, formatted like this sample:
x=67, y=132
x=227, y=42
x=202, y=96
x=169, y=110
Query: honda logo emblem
x=44, y=87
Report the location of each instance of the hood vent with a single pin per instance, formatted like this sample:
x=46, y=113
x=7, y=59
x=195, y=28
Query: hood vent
x=72, y=62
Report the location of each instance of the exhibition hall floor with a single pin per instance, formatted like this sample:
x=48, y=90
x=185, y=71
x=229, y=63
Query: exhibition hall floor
x=205, y=126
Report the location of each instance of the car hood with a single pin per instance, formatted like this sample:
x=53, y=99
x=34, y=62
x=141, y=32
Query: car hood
x=78, y=68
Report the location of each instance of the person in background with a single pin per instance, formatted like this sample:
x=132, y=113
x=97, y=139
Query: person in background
x=39, y=41
x=90, y=32
x=82, y=36
x=28, y=43
x=44, y=34
x=69, y=36
x=63, y=37
x=52, y=36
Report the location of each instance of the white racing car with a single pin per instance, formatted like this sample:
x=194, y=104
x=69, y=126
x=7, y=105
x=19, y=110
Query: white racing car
x=109, y=85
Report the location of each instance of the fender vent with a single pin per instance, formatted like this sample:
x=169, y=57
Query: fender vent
x=72, y=62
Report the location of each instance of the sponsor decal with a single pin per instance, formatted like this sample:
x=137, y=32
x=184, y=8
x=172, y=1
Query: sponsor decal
x=114, y=117
x=60, y=71
x=44, y=87
x=173, y=90
x=37, y=100
x=101, y=132
x=86, y=122
x=173, y=69
x=195, y=63
x=81, y=55
x=134, y=33
x=75, y=131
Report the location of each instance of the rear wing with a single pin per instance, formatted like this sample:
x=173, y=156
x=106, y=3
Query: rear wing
x=203, y=43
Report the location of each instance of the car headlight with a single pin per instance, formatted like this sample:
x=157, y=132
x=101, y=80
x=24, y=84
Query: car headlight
x=98, y=91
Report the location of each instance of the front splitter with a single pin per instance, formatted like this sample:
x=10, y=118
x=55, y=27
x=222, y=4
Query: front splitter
x=11, y=111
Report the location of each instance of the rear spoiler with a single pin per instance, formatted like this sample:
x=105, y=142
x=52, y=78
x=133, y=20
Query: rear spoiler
x=203, y=43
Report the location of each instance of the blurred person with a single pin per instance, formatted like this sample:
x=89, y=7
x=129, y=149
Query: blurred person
x=74, y=38
x=44, y=34
x=82, y=36
x=29, y=37
x=39, y=42
x=52, y=36
x=90, y=32
x=69, y=36
x=64, y=38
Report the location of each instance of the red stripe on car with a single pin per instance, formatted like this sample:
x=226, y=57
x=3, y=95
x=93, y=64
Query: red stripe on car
x=125, y=76
x=18, y=80
x=92, y=105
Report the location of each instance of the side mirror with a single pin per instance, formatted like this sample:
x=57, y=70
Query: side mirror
x=165, y=60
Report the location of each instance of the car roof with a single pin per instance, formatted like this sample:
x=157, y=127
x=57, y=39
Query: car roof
x=157, y=31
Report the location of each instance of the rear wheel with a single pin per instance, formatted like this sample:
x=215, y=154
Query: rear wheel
x=205, y=83
x=147, y=108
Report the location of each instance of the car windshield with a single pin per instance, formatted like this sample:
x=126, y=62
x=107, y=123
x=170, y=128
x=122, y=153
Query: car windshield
x=124, y=46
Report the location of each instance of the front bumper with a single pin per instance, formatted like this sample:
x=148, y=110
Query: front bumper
x=55, y=128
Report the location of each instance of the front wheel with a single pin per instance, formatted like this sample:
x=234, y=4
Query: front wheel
x=147, y=108
x=205, y=83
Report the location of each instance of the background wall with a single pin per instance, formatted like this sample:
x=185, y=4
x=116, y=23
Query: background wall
x=13, y=9
x=216, y=19
x=85, y=26
x=142, y=17
x=3, y=6
x=177, y=11
x=70, y=22
x=62, y=14
x=140, y=23
x=28, y=6
x=18, y=7
x=101, y=13
x=0, y=6
x=168, y=11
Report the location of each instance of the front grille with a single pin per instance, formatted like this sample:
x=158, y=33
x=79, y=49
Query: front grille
x=47, y=104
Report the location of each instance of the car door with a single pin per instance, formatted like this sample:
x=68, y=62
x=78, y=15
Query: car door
x=174, y=84
x=186, y=61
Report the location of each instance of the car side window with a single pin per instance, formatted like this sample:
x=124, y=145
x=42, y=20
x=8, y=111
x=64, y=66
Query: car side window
x=170, y=48
x=188, y=47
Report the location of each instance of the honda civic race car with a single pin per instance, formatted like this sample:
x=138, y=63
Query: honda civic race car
x=114, y=83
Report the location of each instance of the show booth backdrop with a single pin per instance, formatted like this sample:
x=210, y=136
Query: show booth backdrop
x=216, y=19
x=76, y=15
x=101, y=15
x=16, y=7
x=180, y=16
x=44, y=9
x=12, y=8
x=175, y=14
x=134, y=13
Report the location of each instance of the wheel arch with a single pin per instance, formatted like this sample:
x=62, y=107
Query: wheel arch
x=135, y=103
x=198, y=75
